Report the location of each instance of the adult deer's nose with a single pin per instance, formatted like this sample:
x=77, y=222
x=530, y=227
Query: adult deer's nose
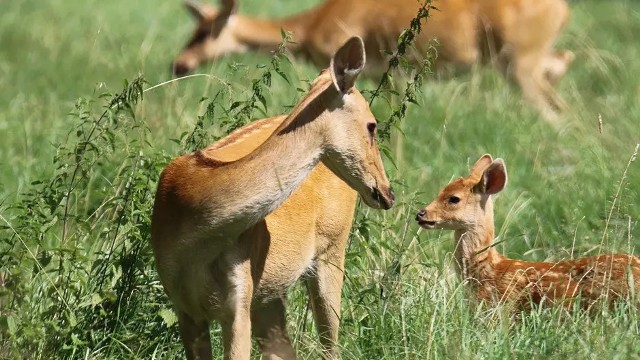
x=180, y=70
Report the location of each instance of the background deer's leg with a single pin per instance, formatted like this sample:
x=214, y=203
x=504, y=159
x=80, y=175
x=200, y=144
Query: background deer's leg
x=325, y=292
x=556, y=64
x=195, y=337
x=270, y=329
x=529, y=73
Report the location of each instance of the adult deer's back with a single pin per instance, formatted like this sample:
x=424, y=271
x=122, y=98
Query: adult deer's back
x=320, y=31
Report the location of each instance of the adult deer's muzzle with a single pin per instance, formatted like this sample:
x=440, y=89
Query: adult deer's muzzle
x=180, y=69
x=385, y=198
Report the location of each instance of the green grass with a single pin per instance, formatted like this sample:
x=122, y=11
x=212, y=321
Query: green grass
x=572, y=191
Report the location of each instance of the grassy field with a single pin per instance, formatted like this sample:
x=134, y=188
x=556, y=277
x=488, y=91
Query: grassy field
x=79, y=277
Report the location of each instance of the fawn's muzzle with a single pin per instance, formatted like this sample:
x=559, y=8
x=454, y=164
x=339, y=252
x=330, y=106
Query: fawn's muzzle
x=420, y=218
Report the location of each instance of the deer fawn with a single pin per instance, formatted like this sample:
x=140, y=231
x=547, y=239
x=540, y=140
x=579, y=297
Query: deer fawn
x=519, y=33
x=465, y=206
x=214, y=250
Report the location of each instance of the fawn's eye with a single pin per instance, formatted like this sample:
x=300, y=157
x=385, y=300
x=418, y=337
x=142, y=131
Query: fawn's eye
x=453, y=199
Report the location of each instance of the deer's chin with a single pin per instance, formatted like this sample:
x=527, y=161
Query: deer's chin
x=377, y=199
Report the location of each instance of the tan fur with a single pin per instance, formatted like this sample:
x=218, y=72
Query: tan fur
x=519, y=34
x=216, y=252
x=496, y=278
x=287, y=245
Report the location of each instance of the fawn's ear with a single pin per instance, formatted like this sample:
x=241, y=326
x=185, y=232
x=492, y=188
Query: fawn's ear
x=478, y=168
x=347, y=63
x=493, y=179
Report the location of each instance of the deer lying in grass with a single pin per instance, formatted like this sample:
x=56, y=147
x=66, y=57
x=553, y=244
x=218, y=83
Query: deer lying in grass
x=465, y=206
x=214, y=251
x=519, y=32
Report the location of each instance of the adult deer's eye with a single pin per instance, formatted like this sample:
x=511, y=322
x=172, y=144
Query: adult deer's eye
x=372, y=131
x=453, y=199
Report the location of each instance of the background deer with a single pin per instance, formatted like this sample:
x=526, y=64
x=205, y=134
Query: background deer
x=465, y=206
x=518, y=34
x=209, y=236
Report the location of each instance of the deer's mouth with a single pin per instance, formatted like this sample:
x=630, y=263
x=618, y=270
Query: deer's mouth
x=420, y=218
x=427, y=224
x=385, y=200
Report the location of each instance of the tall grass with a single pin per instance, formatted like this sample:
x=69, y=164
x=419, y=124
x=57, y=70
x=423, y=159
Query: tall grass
x=79, y=162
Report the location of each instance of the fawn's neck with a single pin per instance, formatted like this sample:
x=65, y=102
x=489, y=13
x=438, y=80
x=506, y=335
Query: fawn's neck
x=474, y=253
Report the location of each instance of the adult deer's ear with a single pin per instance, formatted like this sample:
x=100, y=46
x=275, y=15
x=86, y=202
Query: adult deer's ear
x=229, y=7
x=347, y=63
x=196, y=10
x=494, y=178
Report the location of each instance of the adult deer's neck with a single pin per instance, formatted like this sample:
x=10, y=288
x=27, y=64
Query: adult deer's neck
x=475, y=256
x=266, y=34
x=244, y=191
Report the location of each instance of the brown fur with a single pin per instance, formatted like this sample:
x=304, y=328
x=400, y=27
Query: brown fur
x=496, y=278
x=518, y=34
x=216, y=252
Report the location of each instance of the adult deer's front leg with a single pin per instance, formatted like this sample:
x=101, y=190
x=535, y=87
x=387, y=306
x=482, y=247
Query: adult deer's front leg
x=236, y=319
x=195, y=337
x=270, y=329
x=325, y=292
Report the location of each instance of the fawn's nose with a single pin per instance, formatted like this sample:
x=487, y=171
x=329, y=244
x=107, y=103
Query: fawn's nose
x=421, y=214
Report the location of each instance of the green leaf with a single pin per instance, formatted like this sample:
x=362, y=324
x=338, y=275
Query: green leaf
x=8, y=323
x=234, y=105
x=387, y=152
x=168, y=316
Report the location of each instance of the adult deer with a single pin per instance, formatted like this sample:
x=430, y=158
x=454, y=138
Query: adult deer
x=519, y=34
x=216, y=253
x=465, y=206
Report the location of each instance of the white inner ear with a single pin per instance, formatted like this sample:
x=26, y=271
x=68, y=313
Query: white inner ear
x=351, y=73
x=347, y=64
x=346, y=80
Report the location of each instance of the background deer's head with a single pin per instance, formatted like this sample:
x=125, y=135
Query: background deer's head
x=214, y=36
